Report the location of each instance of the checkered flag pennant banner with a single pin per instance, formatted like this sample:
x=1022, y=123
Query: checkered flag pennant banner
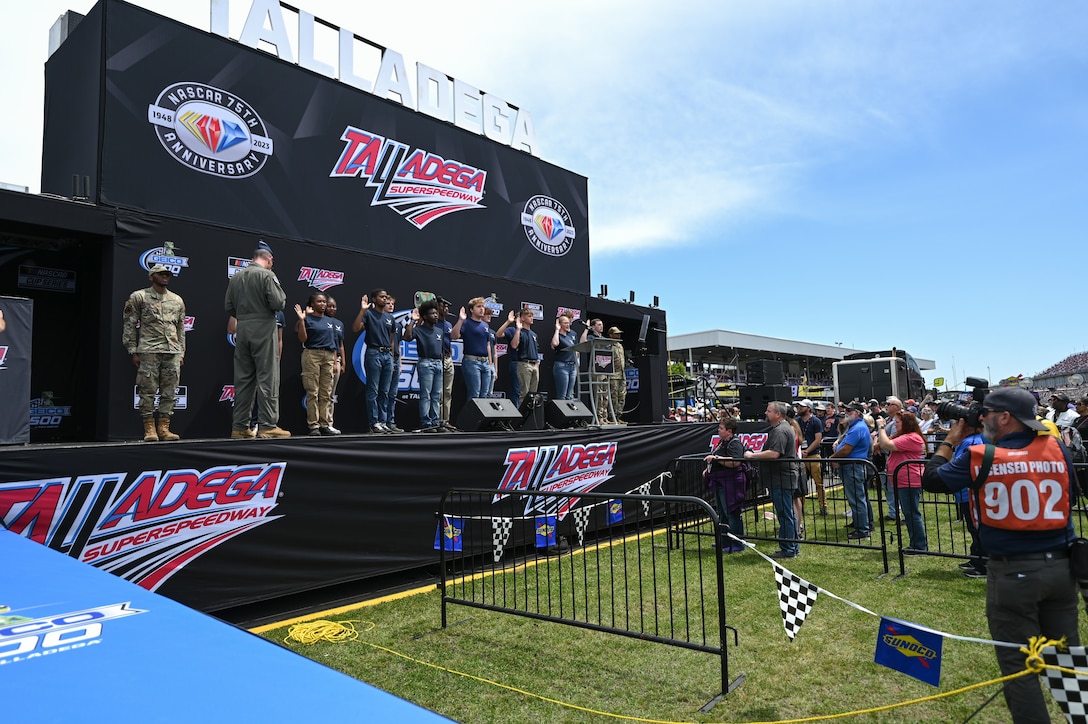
x=500, y=533
x=1069, y=690
x=796, y=598
x=581, y=522
x=644, y=489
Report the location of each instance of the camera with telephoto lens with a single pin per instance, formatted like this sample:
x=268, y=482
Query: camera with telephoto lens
x=971, y=415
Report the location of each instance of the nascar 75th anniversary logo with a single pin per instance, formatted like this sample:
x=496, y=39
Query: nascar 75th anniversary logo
x=147, y=527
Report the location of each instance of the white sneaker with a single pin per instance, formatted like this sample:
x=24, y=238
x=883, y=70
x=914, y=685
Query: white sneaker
x=332, y=430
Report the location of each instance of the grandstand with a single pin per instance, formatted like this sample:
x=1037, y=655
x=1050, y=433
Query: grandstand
x=1067, y=375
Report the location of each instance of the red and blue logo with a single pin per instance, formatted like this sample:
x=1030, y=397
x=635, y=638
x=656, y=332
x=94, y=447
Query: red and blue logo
x=420, y=186
x=557, y=468
x=149, y=527
x=210, y=130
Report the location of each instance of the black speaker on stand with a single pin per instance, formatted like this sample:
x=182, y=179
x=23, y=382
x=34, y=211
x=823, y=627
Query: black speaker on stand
x=481, y=414
x=564, y=414
x=532, y=411
x=765, y=372
x=753, y=400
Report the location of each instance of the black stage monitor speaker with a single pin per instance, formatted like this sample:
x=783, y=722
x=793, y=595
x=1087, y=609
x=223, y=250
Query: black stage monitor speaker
x=481, y=414
x=532, y=411
x=753, y=400
x=765, y=372
x=562, y=414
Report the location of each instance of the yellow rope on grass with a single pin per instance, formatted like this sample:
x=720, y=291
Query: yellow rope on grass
x=332, y=631
x=340, y=632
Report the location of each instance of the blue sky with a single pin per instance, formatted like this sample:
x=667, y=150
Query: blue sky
x=908, y=174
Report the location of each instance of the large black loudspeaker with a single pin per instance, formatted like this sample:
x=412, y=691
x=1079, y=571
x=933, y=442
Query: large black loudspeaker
x=765, y=372
x=562, y=414
x=481, y=413
x=753, y=400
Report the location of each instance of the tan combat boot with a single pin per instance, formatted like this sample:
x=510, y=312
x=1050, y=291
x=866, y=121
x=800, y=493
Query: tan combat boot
x=149, y=430
x=164, y=430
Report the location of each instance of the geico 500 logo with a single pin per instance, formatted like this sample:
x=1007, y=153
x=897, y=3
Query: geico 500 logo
x=26, y=640
x=210, y=130
x=160, y=257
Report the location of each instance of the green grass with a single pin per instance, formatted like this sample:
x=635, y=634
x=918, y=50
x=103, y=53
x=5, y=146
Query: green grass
x=828, y=669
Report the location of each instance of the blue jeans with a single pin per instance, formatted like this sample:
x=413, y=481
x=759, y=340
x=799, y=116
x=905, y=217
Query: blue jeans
x=430, y=391
x=489, y=382
x=378, y=367
x=475, y=372
x=787, y=521
x=910, y=508
x=391, y=392
x=853, y=484
x=564, y=375
x=889, y=491
x=515, y=386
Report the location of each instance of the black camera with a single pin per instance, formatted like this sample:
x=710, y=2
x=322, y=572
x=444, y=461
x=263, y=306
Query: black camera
x=971, y=415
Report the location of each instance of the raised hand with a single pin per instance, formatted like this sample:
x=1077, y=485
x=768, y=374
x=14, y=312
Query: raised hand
x=300, y=313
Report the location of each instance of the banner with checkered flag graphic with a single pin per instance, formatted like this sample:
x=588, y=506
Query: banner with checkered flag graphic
x=1069, y=690
x=796, y=597
x=581, y=522
x=644, y=489
x=500, y=533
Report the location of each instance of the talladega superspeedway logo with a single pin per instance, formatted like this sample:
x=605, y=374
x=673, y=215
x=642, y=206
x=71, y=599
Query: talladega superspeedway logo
x=148, y=527
x=322, y=279
x=547, y=226
x=210, y=130
x=567, y=468
x=420, y=186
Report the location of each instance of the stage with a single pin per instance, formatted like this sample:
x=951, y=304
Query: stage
x=217, y=524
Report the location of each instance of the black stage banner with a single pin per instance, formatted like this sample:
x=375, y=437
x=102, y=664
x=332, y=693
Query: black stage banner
x=16, y=326
x=216, y=524
x=196, y=126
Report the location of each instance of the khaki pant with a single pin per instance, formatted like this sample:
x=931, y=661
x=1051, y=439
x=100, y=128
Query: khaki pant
x=528, y=378
x=816, y=472
x=317, y=370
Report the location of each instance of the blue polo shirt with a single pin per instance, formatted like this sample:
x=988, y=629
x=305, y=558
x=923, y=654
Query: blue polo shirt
x=474, y=336
x=858, y=436
x=527, y=350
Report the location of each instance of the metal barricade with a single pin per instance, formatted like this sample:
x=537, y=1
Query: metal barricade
x=587, y=560
x=829, y=527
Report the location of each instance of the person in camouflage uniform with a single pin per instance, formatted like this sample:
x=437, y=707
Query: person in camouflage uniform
x=154, y=334
x=617, y=381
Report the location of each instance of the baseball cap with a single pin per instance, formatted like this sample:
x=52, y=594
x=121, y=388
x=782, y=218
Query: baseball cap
x=1016, y=401
x=804, y=403
x=615, y=330
x=821, y=405
x=856, y=407
x=158, y=268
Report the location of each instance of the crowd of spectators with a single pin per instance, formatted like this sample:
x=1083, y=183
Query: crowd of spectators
x=1073, y=363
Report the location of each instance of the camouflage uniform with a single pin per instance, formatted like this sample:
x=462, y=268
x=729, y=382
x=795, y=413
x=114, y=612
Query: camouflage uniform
x=155, y=330
x=618, y=379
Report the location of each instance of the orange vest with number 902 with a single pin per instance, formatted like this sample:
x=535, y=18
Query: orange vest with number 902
x=1026, y=489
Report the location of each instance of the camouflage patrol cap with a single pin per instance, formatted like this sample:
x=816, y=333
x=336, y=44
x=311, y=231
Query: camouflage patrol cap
x=158, y=268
